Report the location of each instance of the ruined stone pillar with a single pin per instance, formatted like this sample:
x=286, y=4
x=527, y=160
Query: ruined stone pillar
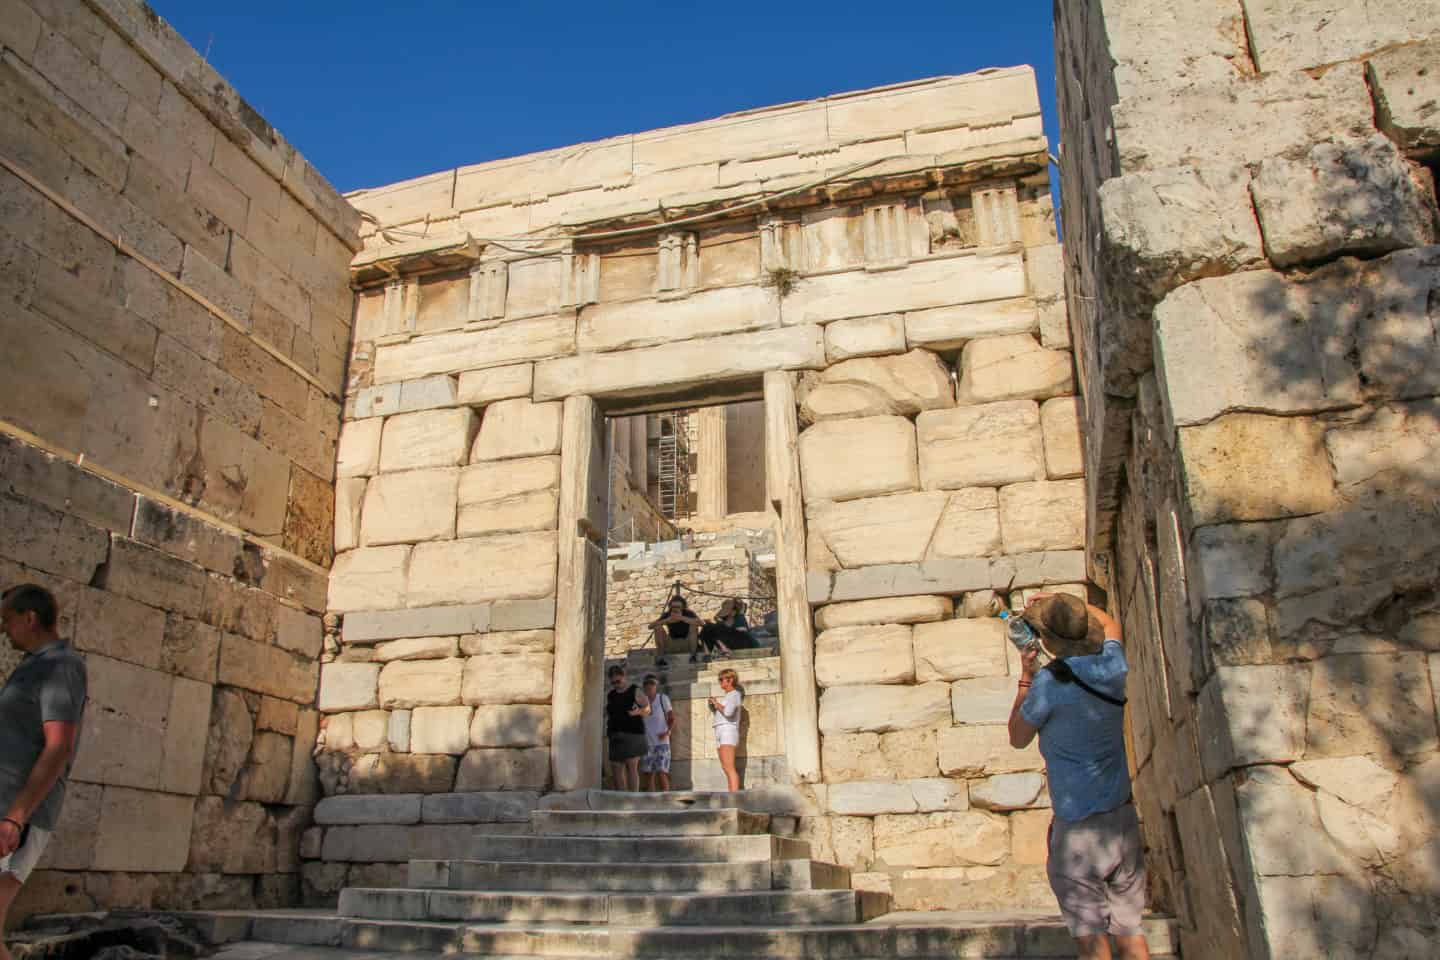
x=797, y=640
x=639, y=452
x=580, y=598
x=710, y=466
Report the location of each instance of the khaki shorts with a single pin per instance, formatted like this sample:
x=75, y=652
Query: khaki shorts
x=23, y=860
x=1097, y=872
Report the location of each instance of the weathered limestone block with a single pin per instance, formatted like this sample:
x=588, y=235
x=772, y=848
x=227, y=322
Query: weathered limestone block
x=940, y=839
x=518, y=725
x=397, y=734
x=982, y=750
x=869, y=654
x=914, y=381
x=403, y=773
x=266, y=669
x=911, y=754
x=348, y=686
x=469, y=808
x=854, y=709
x=267, y=773
x=485, y=769
x=232, y=837
x=1220, y=120
x=343, y=811
x=708, y=313
x=1011, y=367
x=830, y=469
x=440, y=730
x=950, y=328
x=532, y=339
x=358, y=452
x=509, y=496
x=1008, y=791
x=1043, y=515
x=1406, y=90
x=509, y=678
x=982, y=699
x=871, y=797
x=417, y=648
x=370, y=729
x=893, y=529
x=1388, y=451
x=369, y=579
x=229, y=735
x=1045, y=268
x=518, y=615
x=969, y=525
x=959, y=649
x=1378, y=705
x=369, y=626
x=1293, y=35
x=920, y=286
x=518, y=428
x=278, y=715
x=865, y=337
x=304, y=776
x=508, y=641
x=987, y=445
x=430, y=438
x=511, y=566
x=1164, y=227
x=417, y=683
x=1060, y=426
x=479, y=387
x=1252, y=467
x=958, y=575
x=888, y=610
x=143, y=831
x=692, y=365
x=846, y=401
x=1254, y=714
x=298, y=631
x=409, y=507
x=1350, y=197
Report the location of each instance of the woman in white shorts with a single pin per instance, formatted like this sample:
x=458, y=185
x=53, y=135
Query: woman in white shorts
x=725, y=713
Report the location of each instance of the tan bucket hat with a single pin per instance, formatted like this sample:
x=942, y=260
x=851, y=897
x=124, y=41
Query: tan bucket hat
x=1066, y=626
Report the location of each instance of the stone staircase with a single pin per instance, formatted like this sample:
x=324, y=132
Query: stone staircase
x=677, y=875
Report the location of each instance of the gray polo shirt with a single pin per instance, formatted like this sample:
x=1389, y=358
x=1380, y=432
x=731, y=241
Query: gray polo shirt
x=49, y=684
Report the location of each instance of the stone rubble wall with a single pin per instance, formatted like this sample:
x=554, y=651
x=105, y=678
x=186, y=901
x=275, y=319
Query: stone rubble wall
x=176, y=316
x=1252, y=273
x=920, y=302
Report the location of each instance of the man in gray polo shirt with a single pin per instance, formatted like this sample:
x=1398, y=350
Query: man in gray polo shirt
x=40, y=708
x=1077, y=706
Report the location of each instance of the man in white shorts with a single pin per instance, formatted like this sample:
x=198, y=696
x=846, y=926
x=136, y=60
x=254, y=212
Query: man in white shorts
x=656, y=762
x=40, y=708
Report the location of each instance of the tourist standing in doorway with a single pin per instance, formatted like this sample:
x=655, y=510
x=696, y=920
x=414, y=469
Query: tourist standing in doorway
x=658, y=724
x=40, y=708
x=678, y=622
x=725, y=714
x=1077, y=706
x=625, y=711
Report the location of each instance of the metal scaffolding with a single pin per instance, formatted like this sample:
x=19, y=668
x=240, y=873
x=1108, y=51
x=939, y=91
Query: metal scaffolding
x=674, y=466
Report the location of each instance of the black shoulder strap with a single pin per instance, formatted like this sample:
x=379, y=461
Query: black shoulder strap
x=1062, y=672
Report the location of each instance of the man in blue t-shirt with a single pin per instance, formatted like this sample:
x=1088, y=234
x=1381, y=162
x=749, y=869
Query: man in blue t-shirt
x=1077, y=706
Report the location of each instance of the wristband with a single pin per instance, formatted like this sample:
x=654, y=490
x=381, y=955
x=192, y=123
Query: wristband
x=1026, y=683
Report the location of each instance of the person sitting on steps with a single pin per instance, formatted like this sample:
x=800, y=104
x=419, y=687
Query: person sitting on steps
x=678, y=622
x=728, y=631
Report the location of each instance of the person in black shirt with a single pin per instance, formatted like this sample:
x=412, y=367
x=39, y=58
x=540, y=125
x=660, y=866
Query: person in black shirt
x=678, y=622
x=625, y=711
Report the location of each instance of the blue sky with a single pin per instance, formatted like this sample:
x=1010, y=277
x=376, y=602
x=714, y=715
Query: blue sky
x=374, y=93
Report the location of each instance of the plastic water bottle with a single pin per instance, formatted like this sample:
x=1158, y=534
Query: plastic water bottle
x=1020, y=633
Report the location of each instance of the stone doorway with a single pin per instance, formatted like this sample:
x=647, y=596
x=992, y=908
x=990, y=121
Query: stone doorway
x=592, y=501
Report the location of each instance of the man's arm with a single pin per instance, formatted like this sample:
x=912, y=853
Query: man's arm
x=1021, y=730
x=59, y=746
x=1110, y=625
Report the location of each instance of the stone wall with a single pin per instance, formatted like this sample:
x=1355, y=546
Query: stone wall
x=1252, y=277
x=176, y=318
x=905, y=269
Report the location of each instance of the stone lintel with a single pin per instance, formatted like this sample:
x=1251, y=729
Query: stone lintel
x=946, y=576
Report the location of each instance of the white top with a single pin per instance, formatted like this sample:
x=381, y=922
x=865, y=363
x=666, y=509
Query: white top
x=655, y=724
x=728, y=714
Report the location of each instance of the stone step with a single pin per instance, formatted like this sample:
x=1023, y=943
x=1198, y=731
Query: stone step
x=742, y=848
x=575, y=877
x=778, y=907
x=996, y=939
x=630, y=800
x=653, y=823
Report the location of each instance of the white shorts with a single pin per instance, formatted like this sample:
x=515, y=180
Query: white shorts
x=23, y=860
x=727, y=736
